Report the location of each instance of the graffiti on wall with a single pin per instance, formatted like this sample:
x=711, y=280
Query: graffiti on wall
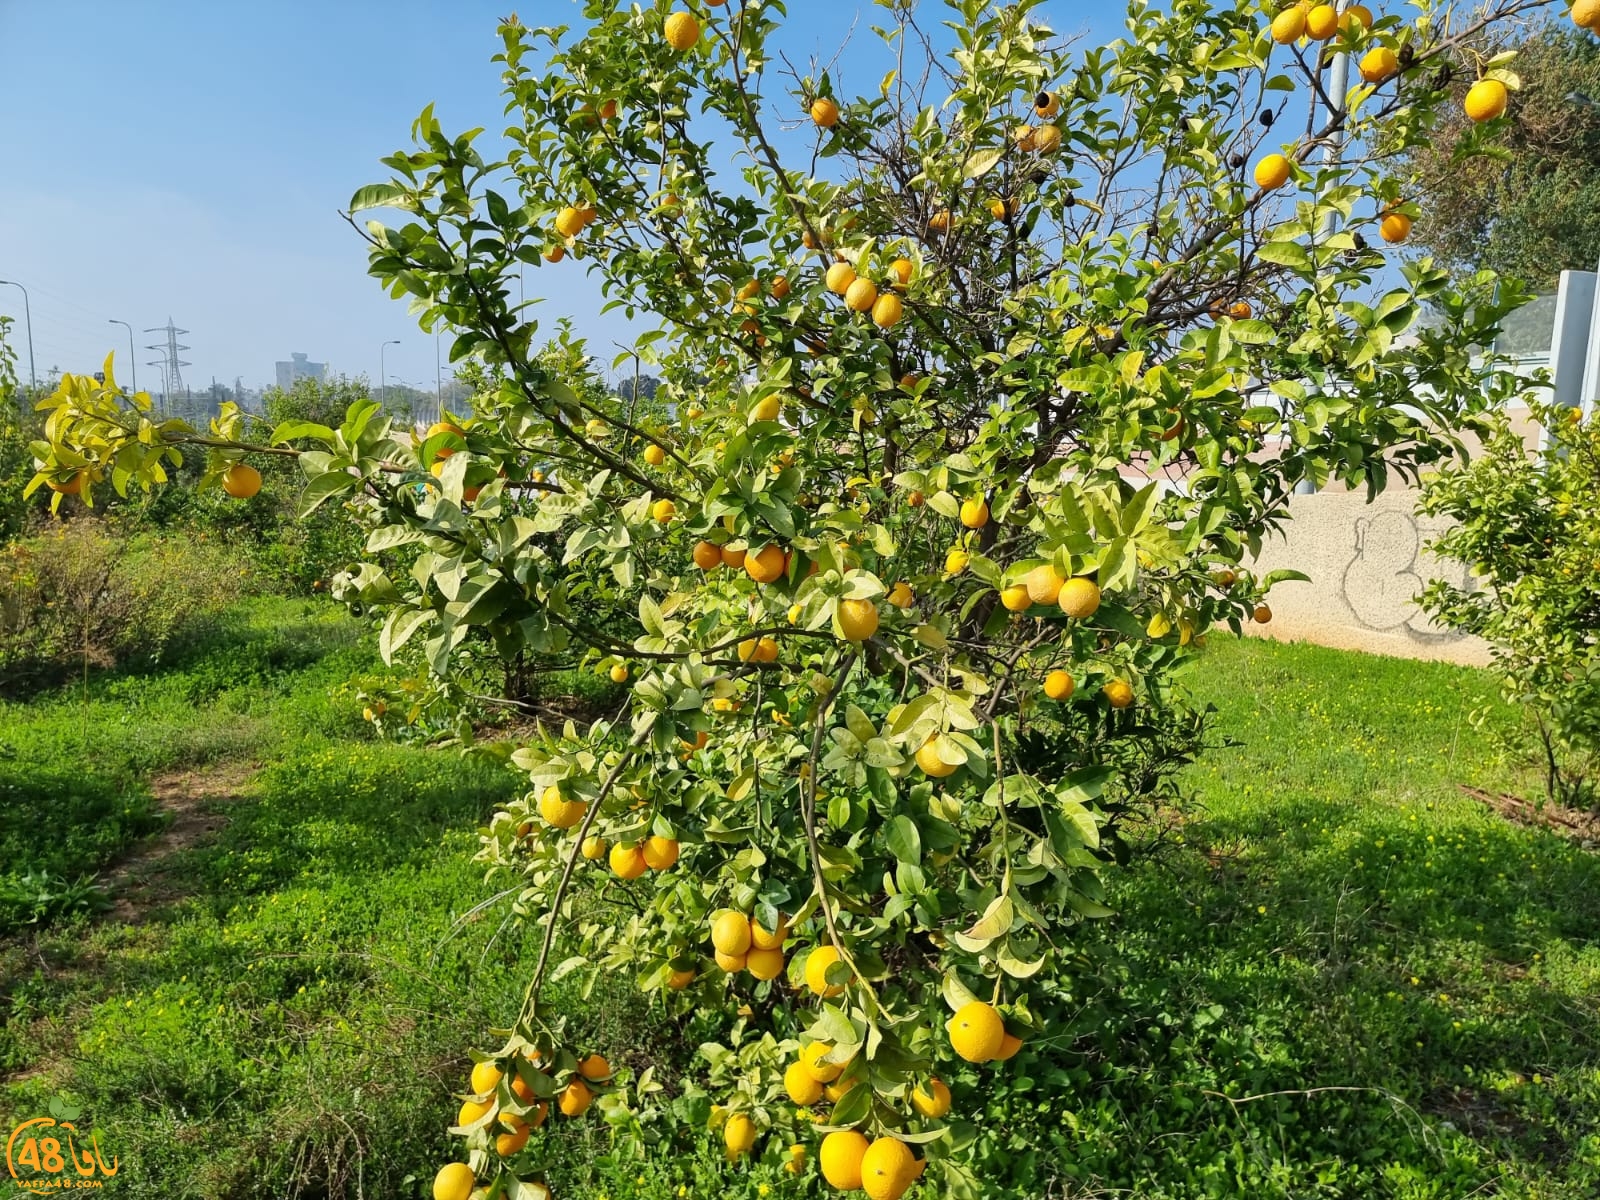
x=1386, y=574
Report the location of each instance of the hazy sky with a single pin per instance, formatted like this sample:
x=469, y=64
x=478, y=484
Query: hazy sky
x=184, y=159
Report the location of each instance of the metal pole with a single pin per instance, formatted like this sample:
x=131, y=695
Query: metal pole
x=438, y=381
x=383, y=346
x=27, y=313
x=133, y=357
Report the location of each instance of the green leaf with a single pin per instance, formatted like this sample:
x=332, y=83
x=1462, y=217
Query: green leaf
x=382, y=195
x=903, y=839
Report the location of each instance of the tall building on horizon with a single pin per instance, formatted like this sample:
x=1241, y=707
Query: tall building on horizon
x=299, y=367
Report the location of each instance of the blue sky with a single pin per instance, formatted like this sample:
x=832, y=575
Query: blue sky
x=189, y=159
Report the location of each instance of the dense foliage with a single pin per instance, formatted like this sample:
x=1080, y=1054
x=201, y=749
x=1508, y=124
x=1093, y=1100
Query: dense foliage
x=967, y=428
x=1528, y=525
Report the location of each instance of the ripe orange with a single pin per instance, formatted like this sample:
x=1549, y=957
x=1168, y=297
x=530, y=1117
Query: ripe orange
x=660, y=853
x=780, y=288
x=1322, y=22
x=932, y=765
x=507, y=1144
x=976, y=1031
x=1118, y=693
x=1379, y=64
x=576, y=1098
x=739, y=1134
x=472, y=1110
x=730, y=932
x=813, y=1063
x=766, y=650
x=975, y=513
x=1272, y=172
x=887, y=311
x=861, y=295
x=1009, y=1045
x=839, y=278
x=817, y=964
x=74, y=486
x=732, y=557
x=840, y=1158
x=858, y=619
x=241, y=481
x=557, y=810
x=1486, y=100
x=764, y=964
x=556, y=253
x=1289, y=25
x=765, y=566
x=485, y=1076
x=901, y=595
x=1262, y=614
x=1058, y=685
x=1079, y=598
x=1043, y=584
x=454, y=1181
x=931, y=1099
x=627, y=862
x=701, y=737
x=1046, y=139
x=654, y=455
x=887, y=1169
x=569, y=222
x=1357, y=14
x=682, y=31
x=1240, y=311
x=707, y=556
x=761, y=939
x=900, y=269
x=939, y=222
x=1016, y=597
x=1394, y=228
x=619, y=673
x=797, y=1082
x=679, y=980
x=824, y=112
x=663, y=511
x=731, y=963
x=1586, y=14
x=595, y=1068
x=916, y=499
x=1046, y=105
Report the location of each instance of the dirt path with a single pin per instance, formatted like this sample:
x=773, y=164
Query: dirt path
x=195, y=801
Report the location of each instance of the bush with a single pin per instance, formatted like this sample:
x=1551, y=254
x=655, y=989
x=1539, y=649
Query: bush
x=78, y=596
x=1528, y=526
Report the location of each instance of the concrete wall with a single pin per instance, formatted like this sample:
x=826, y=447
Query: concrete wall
x=1367, y=564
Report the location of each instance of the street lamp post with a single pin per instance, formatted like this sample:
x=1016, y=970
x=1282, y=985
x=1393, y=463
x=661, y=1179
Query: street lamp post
x=132, y=356
x=27, y=312
x=381, y=348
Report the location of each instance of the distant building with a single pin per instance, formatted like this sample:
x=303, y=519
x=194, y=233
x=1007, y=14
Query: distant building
x=298, y=367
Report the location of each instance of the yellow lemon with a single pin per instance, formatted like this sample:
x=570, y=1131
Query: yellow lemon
x=930, y=762
x=1272, y=172
x=858, y=619
x=817, y=964
x=1079, y=598
x=1058, y=685
x=931, y=1099
x=1016, y=597
x=976, y=1031
x=682, y=31
x=730, y=932
x=888, y=1168
x=840, y=1157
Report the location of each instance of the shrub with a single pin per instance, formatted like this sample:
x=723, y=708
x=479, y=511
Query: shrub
x=78, y=596
x=853, y=560
x=1528, y=527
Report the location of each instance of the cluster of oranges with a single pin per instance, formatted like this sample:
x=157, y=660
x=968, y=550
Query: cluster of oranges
x=1486, y=99
x=507, y=1102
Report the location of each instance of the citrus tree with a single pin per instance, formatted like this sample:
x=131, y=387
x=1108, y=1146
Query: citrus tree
x=1527, y=525
x=977, y=391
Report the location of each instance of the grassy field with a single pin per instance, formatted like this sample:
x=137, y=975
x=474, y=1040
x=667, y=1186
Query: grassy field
x=1349, y=981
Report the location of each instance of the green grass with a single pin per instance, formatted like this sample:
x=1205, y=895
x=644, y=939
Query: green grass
x=1339, y=916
